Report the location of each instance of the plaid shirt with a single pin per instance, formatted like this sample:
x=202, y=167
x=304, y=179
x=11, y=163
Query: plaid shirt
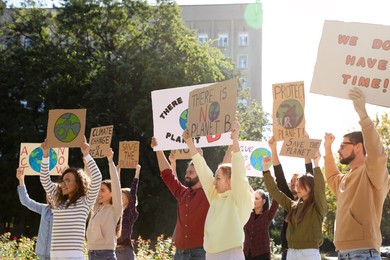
x=130, y=215
x=257, y=240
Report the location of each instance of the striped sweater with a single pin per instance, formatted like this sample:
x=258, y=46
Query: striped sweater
x=69, y=223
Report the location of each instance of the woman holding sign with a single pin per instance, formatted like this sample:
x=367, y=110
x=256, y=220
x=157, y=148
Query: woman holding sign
x=230, y=201
x=104, y=224
x=73, y=199
x=305, y=215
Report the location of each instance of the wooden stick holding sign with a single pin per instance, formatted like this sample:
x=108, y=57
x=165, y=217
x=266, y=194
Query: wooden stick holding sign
x=100, y=141
x=128, y=154
x=212, y=109
x=300, y=147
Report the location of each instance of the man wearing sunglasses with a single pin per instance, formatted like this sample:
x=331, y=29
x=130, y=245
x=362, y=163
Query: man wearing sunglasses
x=361, y=191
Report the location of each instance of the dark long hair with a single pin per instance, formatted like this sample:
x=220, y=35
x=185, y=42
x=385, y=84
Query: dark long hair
x=82, y=183
x=304, y=180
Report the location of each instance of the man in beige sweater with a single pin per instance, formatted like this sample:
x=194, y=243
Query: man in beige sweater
x=361, y=191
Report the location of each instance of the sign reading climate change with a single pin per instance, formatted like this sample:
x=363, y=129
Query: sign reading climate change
x=30, y=158
x=353, y=55
x=253, y=153
x=66, y=128
x=288, y=110
x=212, y=109
x=170, y=116
x=100, y=141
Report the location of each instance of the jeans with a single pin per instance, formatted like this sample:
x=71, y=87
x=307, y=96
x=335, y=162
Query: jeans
x=369, y=254
x=190, y=254
x=101, y=255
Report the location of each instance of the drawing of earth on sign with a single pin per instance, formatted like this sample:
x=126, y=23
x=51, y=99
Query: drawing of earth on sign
x=183, y=119
x=67, y=127
x=214, y=111
x=256, y=158
x=35, y=159
x=289, y=114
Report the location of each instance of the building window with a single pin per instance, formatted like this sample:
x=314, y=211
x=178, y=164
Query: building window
x=203, y=37
x=242, y=61
x=243, y=39
x=223, y=40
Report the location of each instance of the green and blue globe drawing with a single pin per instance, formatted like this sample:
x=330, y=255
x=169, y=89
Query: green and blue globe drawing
x=290, y=114
x=214, y=111
x=183, y=119
x=256, y=158
x=35, y=159
x=67, y=127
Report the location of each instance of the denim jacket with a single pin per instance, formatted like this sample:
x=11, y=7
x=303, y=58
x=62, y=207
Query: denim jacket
x=42, y=248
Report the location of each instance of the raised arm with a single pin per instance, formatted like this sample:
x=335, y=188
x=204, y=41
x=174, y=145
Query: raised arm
x=332, y=173
x=96, y=176
x=172, y=161
x=23, y=195
x=115, y=184
x=163, y=163
x=319, y=187
x=44, y=177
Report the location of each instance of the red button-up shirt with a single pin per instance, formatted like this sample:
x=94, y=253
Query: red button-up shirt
x=191, y=212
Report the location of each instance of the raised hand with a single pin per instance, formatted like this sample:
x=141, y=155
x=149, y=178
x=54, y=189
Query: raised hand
x=317, y=158
x=329, y=139
x=110, y=155
x=272, y=143
x=85, y=147
x=45, y=149
x=20, y=176
x=359, y=101
x=153, y=142
x=265, y=163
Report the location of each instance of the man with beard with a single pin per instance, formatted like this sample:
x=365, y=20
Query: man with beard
x=361, y=191
x=192, y=209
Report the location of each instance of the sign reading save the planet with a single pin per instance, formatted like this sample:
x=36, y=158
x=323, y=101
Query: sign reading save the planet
x=128, y=154
x=212, y=109
x=30, y=158
x=66, y=128
x=300, y=147
x=253, y=153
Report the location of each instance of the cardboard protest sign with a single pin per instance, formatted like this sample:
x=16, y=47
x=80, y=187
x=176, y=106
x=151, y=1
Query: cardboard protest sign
x=182, y=154
x=300, y=147
x=212, y=109
x=353, y=55
x=170, y=116
x=30, y=158
x=128, y=154
x=66, y=128
x=253, y=153
x=100, y=141
x=288, y=110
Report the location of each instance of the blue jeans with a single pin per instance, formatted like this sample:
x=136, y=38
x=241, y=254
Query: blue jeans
x=190, y=254
x=101, y=255
x=369, y=254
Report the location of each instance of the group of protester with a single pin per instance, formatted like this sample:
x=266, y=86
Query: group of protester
x=219, y=216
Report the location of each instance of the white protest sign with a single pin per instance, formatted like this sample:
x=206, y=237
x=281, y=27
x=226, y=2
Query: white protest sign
x=170, y=115
x=30, y=158
x=353, y=55
x=253, y=153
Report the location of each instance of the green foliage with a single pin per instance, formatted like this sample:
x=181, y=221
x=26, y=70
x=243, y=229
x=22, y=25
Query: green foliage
x=17, y=249
x=162, y=249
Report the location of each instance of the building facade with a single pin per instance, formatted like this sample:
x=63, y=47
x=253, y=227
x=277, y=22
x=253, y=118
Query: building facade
x=234, y=32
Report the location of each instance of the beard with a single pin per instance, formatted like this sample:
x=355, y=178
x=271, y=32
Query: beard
x=347, y=160
x=191, y=182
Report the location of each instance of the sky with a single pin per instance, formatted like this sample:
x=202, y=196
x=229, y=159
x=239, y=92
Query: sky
x=291, y=35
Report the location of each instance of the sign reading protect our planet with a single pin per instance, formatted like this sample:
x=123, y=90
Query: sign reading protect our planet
x=212, y=109
x=170, y=117
x=30, y=159
x=253, y=153
x=100, y=141
x=353, y=55
x=66, y=128
x=288, y=110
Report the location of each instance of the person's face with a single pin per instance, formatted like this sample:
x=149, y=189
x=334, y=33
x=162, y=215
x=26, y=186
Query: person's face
x=259, y=201
x=221, y=182
x=125, y=200
x=191, y=177
x=303, y=191
x=293, y=184
x=105, y=195
x=346, y=151
x=69, y=184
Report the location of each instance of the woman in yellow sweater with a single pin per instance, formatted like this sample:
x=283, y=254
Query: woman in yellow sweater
x=230, y=202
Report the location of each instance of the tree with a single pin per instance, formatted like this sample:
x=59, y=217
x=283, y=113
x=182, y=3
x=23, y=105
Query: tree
x=106, y=56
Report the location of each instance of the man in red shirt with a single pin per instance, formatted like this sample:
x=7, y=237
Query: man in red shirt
x=191, y=210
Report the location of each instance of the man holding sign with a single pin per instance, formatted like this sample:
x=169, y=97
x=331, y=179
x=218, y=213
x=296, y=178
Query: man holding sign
x=191, y=209
x=360, y=192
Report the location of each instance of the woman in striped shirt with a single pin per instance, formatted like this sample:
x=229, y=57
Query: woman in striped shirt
x=73, y=200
